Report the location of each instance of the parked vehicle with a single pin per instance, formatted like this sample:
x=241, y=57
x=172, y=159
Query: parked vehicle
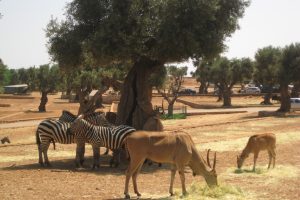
x=295, y=103
x=187, y=91
x=251, y=90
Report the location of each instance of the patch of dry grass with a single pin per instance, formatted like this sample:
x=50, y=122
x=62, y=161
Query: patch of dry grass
x=197, y=191
x=270, y=176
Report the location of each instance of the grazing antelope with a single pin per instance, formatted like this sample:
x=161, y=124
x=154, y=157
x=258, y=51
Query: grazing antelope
x=255, y=144
x=5, y=139
x=177, y=149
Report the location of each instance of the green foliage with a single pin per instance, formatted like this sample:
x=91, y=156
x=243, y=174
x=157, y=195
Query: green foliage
x=120, y=30
x=289, y=70
x=267, y=65
x=48, y=78
x=174, y=116
x=226, y=73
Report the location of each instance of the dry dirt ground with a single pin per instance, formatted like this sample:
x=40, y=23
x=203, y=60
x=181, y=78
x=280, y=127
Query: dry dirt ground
x=21, y=177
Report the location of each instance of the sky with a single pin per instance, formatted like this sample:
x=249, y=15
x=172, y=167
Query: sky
x=23, y=40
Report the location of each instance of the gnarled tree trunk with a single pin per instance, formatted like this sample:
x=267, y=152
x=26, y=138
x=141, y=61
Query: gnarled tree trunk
x=135, y=105
x=285, y=98
x=44, y=100
x=227, y=97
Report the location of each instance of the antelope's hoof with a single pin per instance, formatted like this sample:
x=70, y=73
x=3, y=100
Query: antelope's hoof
x=171, y=194
x=127, y=196
x=185, y=194
x=138, y=194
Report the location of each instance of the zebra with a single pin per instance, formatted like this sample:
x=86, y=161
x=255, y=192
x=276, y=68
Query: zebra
x=99, y=136
x=52, y=130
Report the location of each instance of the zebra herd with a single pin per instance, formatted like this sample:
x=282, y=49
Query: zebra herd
x=92, y=128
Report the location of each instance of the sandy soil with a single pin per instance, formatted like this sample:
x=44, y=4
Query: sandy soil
x=22, y=178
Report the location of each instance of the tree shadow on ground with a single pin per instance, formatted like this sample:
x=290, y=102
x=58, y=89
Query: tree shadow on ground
x=68, y=165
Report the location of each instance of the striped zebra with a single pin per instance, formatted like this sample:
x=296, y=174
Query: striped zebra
x=99, y=136
x=51, y=130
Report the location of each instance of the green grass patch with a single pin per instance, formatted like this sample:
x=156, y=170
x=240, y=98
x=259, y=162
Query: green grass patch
x=174, y=116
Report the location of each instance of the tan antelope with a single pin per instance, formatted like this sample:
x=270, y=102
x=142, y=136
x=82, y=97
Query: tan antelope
x=176, y=148
x=255, y=144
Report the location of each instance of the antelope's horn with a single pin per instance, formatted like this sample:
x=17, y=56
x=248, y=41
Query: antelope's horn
x=215, y=161
x=207, y=157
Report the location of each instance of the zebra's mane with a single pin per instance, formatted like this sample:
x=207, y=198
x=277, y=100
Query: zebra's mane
x=68, y=113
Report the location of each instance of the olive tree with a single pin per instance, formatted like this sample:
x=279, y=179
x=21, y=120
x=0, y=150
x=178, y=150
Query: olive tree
x=202, y=74
x=146, y=34
x=48, y=81
x=226, y=73
x=266, y=69
x=173, y=82
x=289, y=72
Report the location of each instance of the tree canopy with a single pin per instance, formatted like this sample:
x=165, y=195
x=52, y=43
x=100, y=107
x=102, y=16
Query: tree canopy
x=146, y=34
x=122, y=30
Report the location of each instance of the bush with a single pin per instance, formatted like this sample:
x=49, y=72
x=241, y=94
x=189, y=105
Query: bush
x=174, y=116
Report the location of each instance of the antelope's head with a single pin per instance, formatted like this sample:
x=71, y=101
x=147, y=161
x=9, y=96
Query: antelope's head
x=240, y=160
x=211, y=179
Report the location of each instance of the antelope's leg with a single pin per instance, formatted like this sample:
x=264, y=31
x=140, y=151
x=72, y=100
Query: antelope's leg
x=173, y=172
x=133, y=166
x=182, y=178
x=270, y=158
x=255, y=158
x=273, y=151
x=45, y=152
x=96, y=156
x=80, y=148
x=134, y=178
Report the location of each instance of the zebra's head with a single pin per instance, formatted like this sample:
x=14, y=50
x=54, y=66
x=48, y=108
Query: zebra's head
x=78, y=126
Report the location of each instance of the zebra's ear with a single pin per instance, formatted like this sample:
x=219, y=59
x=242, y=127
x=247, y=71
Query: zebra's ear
x=80, y=117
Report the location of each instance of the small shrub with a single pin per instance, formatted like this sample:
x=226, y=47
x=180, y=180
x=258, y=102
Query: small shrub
x=174, y=116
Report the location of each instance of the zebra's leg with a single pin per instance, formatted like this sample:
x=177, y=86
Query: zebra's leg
x=79, y=159
x=96, y=156
x=40, y=155
x=45, y=148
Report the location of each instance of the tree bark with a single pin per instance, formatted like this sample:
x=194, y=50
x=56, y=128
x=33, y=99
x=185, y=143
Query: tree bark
x=135, y=105
x=202, y=88
x=285, y=99
x=44, y=100
x=170, y=109
x=267, y=99
x=295, y=90
x=90, y=105
x=227, y=97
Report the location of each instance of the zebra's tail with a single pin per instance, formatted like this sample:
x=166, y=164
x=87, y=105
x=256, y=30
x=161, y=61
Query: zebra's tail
x=53, y=142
